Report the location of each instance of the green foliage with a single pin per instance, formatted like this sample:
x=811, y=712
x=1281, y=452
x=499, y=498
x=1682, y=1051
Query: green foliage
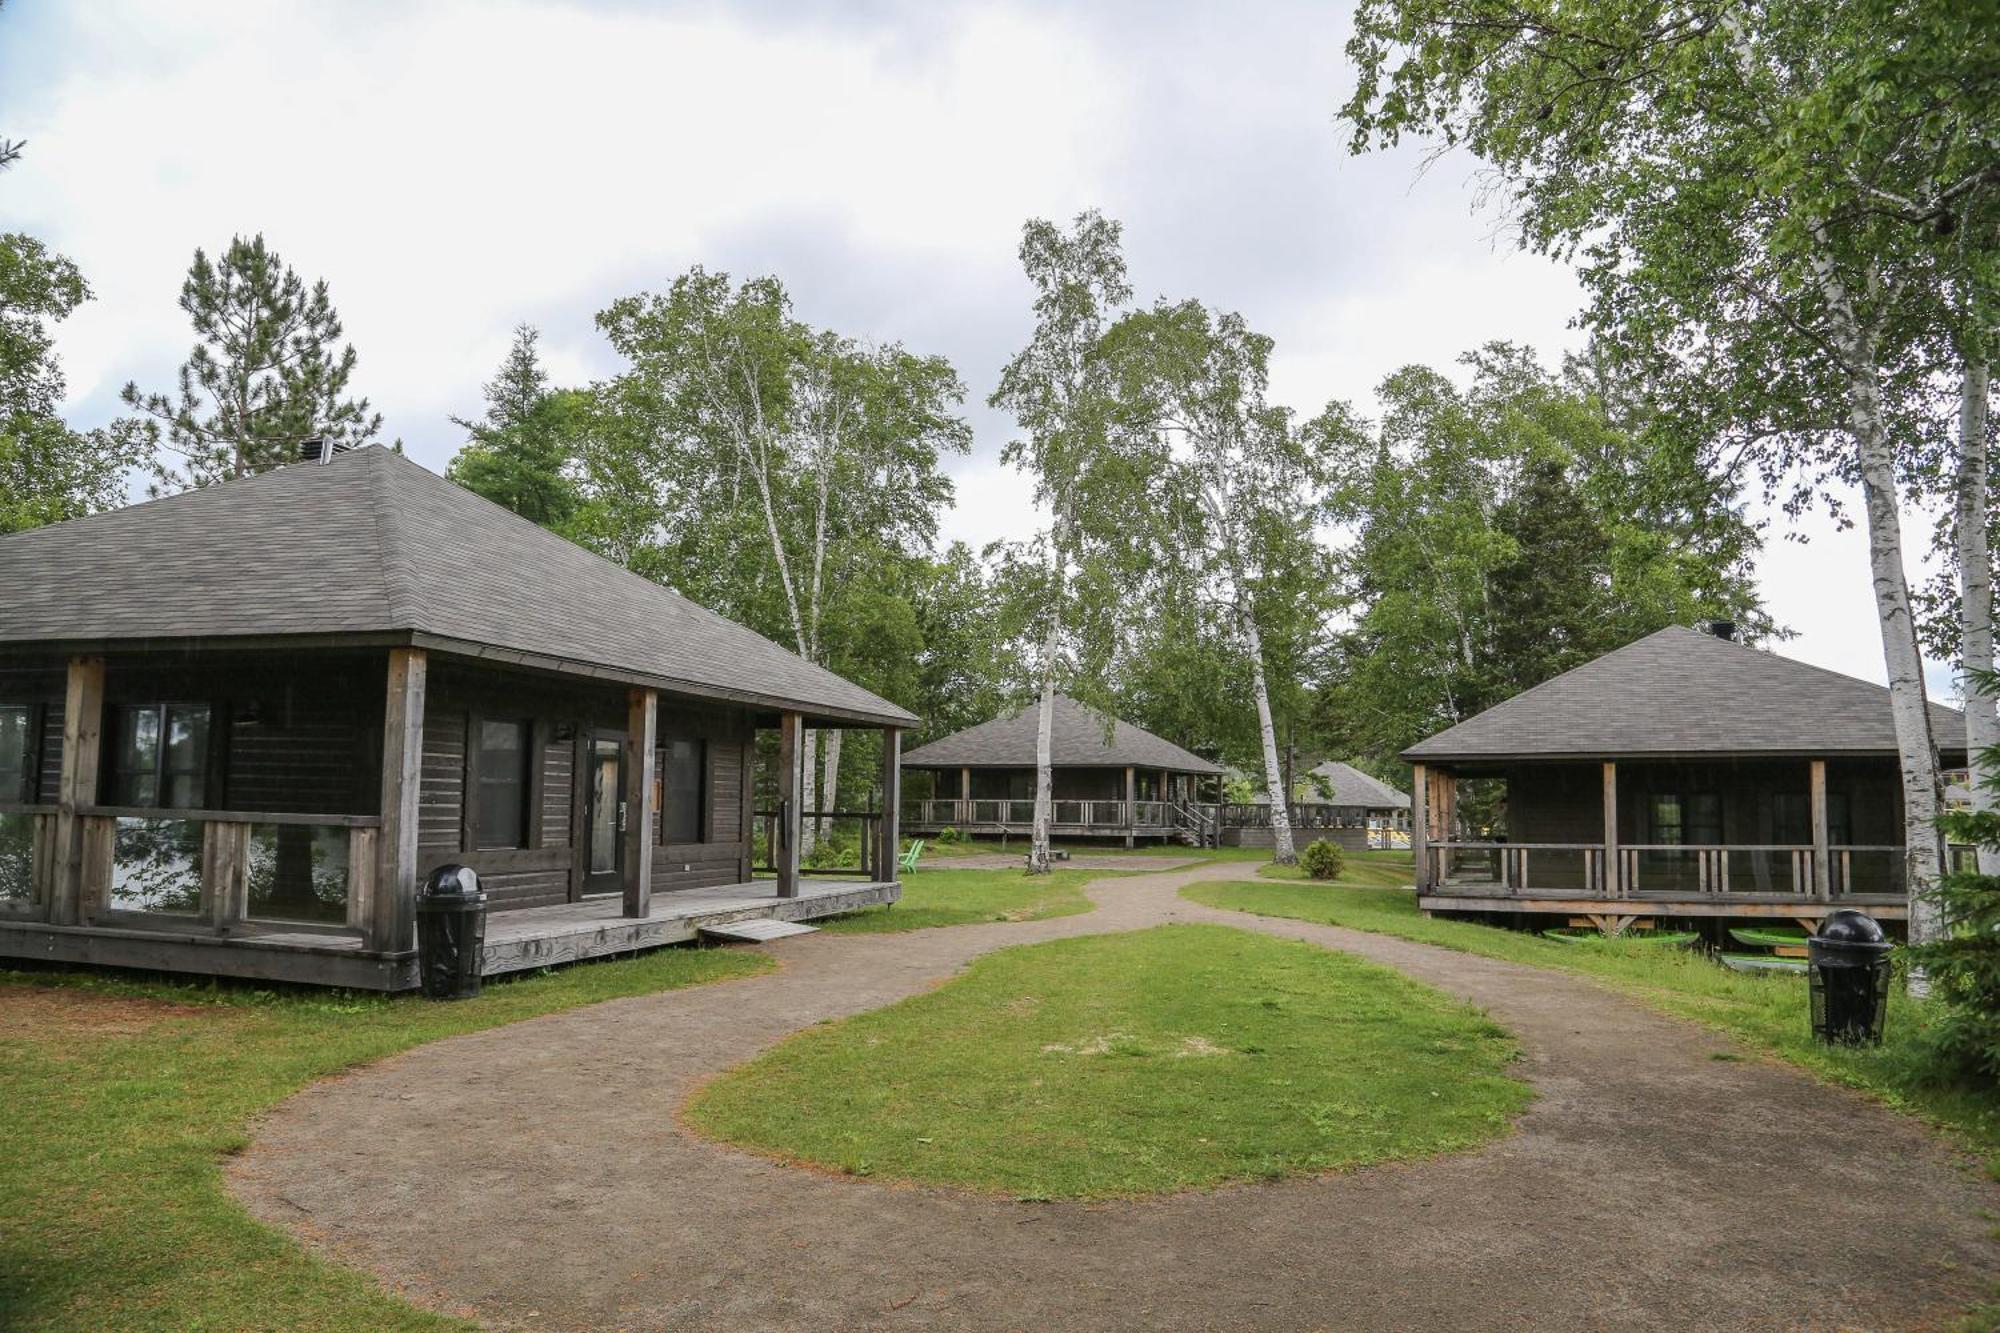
x=1505, y=533
x=521, y=454
x=1322, y=860
x=786, y=477
x=48, y=472
x=1136, y=1063
x=264, y=376
x=122, y=1103
x=1963, y=965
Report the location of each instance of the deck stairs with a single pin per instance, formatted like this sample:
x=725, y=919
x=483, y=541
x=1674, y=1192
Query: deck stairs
x=755, y=930
x=1192, y=828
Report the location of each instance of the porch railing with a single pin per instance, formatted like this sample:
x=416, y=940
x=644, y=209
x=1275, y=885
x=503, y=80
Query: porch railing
x=228, y=872
x=832, y=854
x=1651, y=870
x=978, y=813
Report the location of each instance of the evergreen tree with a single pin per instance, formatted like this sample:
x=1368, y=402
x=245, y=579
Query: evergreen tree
x=521, y=454
x=264, y=376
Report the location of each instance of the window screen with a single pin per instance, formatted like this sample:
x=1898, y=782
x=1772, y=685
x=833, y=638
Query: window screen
x=501, y=767
x=681, y=796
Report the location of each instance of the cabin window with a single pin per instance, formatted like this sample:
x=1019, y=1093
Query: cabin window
x=500, y=768
x=161, y=756
x=1791, y=818
x=683, y=768
x=15, y=751
x=1690, y=820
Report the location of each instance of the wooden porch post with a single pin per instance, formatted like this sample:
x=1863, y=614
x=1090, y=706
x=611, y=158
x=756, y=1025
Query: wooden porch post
x=889, y=865
x=1612, y=875
x=785, y=851
x=1420, y=825
x=83, y=744
x=393, y=911
x=965, y=795
x=642, y=732
x=1131, y=802
x=1821, y=834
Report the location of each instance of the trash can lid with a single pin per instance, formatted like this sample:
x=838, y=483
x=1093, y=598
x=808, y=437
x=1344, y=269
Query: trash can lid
x=452, y=881
x=1846, y=926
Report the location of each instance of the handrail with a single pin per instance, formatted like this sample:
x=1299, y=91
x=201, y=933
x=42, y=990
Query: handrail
x=230, y=816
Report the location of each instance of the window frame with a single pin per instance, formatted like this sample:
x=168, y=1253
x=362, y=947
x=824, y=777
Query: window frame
x=662, y=791
x=27, y=779
x=204, y=771
x=478, y=780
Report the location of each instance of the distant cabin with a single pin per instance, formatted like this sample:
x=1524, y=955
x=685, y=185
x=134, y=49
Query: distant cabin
x=1131, y=785
x=1335, y=801
x=1683, y=775
x=238, y=725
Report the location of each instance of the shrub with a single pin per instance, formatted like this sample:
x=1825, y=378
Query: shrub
x=946, y=837
x=1322, y=859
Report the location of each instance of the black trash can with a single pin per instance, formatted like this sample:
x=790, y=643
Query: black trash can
x=451, y=932
x=1849, y=965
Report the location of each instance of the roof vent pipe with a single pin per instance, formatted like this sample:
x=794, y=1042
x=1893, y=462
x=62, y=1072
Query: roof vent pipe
x=1723, y=629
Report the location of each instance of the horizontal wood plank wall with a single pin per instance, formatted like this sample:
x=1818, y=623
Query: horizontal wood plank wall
x=534, y=876
x=723, y=856
x=558, y=787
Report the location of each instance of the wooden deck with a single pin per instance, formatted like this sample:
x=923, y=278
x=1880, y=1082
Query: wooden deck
x=596, y=927
x=1782, y=907
x=515, y=941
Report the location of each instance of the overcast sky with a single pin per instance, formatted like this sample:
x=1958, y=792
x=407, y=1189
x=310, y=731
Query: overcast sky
x=453, y=169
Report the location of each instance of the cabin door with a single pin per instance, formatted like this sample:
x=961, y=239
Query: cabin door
x=603, y=847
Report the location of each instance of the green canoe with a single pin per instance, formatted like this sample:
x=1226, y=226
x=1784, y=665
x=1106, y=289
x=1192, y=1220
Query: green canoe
x=1765, y=937
x=1761, y=962
x=1573, y=935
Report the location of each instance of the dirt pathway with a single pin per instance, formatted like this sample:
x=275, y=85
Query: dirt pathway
x=533, y=1176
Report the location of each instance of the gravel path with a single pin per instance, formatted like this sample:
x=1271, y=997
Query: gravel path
x=533, y=1176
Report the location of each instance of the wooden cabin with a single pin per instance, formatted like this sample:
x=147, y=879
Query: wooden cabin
x=1355, y=810
x=1684, y=775
x=1130, y=785
x=240, y=724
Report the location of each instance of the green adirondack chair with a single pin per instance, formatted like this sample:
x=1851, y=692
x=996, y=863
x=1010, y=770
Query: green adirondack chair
x=908, y=861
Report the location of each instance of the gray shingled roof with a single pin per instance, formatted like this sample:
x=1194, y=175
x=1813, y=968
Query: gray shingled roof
x=1076, y=740
x=372, y=544
x=1348, y=785
x=1681, y=692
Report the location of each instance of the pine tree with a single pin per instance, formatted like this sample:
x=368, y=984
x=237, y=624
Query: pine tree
x=263, y=378
x=520, y=455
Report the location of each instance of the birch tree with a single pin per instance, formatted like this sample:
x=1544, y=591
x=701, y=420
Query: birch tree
x=786, y=463
x=1060, y=389
x=1244, y=488
x=1725, y=215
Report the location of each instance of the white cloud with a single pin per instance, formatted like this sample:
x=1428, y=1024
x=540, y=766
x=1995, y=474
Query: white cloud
x=453, y=168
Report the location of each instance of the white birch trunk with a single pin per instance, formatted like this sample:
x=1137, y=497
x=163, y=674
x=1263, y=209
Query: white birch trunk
x=808, y=791
x=830, y=779
x=1282, y=850
x=1039, y=860
x=1916, y=747
x=1975, y=592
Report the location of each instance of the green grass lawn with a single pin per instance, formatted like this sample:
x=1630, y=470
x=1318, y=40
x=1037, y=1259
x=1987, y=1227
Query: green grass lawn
x=121, y=1098
x=1118, y=1065
x=1364, y=870
x=940, y=897
x=1766, y=1011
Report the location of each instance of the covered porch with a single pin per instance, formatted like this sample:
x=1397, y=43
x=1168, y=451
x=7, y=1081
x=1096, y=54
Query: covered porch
x=1751, y=836
x=270, y=814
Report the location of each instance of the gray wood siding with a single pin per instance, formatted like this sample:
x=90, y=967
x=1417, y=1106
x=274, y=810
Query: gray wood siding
x=299, y=755
x=441, y=803
x=558, y=789
x=725, y=785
